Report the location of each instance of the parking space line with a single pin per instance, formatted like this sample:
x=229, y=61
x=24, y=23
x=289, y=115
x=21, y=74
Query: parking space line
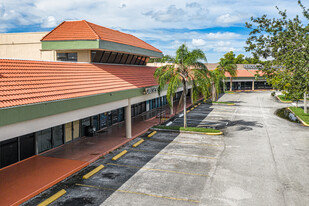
x=160, y=170
x=174, y=154
x=193, y=143
x=139, y=193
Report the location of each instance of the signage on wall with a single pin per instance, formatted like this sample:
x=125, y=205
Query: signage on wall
x=252, y=66
x=150, y=90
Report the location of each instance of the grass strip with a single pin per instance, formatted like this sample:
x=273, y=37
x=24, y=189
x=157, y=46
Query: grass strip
x=228, y=103
x=191, y=129
x=300, y=113
x=283, y=98
x=229, y=92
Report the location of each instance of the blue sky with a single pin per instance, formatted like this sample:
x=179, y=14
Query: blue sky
x=215, y=26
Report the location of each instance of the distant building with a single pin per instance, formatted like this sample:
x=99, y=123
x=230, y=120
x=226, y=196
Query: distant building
x=248, y=76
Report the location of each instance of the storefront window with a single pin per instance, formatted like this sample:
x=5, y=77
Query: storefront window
x=44, y=140
x=9, y=152
x=27, y=146
x=103, y=121
x=57, y=135
x=95, y=122
x=84, y=124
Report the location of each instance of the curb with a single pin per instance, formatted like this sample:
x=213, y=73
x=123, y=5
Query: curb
x=283, y=101
x=186, y=132
x=302, y=121
x=232, y=104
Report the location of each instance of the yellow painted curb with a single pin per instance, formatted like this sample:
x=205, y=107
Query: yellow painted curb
x=195, y=106
x=284, y=101
x=119, y=155
x=152, y=133
x=188, y=111
x=138, y=143
x=199, y=103
x=92, y=172
x=209, y=133
x=52, y=198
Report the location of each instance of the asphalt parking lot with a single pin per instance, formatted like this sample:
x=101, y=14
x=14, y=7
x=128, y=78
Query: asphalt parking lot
x=167, y=168
x=261, y=160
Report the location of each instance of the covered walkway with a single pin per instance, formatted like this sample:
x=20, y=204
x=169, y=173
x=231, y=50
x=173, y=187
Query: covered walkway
x=23, y=180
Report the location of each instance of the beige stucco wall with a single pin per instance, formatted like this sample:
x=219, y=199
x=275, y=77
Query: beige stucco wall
x=22, y=46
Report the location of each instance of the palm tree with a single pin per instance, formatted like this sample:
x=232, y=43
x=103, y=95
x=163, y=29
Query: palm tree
x=216, y=76
x=186, y=69
x=229, y=67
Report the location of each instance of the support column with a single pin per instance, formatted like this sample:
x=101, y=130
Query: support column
x=172, y=106
x=253, y=85
x=128, y=120
x=147, y=105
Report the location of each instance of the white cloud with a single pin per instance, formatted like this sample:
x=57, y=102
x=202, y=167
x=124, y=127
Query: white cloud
x=226, y=49
x=198, y=42
x=224, y=35
x=229, y=19
x=171, y=14
x=49, y=22
x=123, y=5
x=223, y=43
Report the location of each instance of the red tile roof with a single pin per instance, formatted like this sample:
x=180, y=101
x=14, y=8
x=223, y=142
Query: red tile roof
x=245, y=73
x=83, y=30
x=26, y=82
x=241, y=73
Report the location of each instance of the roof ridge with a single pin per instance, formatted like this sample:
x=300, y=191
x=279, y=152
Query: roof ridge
x=108, y=28
x=88, y=24
x=52, y=30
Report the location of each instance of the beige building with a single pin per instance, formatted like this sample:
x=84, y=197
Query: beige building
x=24, y=46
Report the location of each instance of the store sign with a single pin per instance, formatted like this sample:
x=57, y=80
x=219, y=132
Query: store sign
x=150, y=90
x=252, y=66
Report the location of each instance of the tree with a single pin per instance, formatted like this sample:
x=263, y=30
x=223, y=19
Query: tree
x=186, y=69
x=216, y=77
x=230, y=67
x=229, y=56
x=284, y=42
x=239, y=59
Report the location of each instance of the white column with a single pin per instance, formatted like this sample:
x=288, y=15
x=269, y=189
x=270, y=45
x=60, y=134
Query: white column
x=147, y=105
x=252, y=84
x=128, y=120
